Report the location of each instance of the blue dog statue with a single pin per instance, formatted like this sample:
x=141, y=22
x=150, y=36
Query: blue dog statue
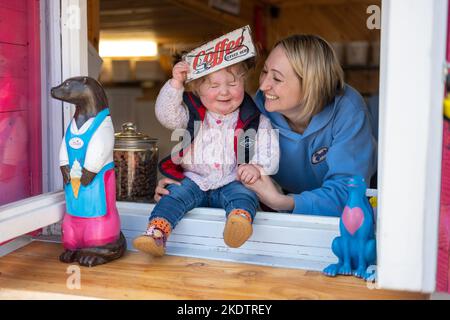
x=356, y=247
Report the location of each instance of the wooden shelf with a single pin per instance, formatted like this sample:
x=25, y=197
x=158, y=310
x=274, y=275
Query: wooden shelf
x=34, y=272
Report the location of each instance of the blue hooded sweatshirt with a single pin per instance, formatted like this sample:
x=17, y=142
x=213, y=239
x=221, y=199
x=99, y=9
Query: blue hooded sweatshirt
x=337, y=144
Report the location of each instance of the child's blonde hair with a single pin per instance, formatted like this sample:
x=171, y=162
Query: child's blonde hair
x=238, y=70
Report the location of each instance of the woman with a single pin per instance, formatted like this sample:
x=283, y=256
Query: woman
x=324, y=129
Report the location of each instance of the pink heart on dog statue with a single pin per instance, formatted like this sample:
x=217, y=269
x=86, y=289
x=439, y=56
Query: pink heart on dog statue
x=353, y=219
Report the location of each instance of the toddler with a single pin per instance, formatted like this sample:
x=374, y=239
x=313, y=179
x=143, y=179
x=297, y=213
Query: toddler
x=215, y=111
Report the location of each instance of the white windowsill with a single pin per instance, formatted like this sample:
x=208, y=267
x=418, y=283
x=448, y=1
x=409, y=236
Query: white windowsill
x=281, y=240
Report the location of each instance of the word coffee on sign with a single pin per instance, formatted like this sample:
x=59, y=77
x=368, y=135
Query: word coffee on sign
x=222, y=52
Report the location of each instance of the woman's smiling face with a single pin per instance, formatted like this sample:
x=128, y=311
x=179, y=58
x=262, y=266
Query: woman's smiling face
x=280, y=84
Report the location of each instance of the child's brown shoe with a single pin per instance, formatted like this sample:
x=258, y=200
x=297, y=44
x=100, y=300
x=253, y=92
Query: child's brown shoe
x=151, y=245
x=153, y=241
x=238, y=228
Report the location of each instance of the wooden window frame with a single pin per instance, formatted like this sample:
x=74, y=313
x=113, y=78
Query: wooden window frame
x=413, y=41
x=52, y=110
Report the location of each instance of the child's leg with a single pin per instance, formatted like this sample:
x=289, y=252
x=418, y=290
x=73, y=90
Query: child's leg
x=181, y=199
x=240, y=205
x=166, y=215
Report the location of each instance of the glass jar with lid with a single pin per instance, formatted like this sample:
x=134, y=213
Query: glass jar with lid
x=136, y=162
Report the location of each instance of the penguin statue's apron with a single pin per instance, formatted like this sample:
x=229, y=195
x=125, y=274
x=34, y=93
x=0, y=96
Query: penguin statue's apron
x=88, y=201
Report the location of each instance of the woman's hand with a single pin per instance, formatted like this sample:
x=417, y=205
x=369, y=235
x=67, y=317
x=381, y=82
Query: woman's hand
x=179, y=74
x=269, y=194
x=248, y=173
x=161, y=188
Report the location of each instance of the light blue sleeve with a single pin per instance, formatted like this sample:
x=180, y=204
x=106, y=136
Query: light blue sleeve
x=352, y=152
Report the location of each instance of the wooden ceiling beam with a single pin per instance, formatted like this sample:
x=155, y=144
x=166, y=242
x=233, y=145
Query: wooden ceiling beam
x=166, y=19
x=127, y=11
x=93, y=9
x=285, y=3
x=167, y=36
x=158, y=23
x=202, y=9
x=130, y=4
x=157, y=29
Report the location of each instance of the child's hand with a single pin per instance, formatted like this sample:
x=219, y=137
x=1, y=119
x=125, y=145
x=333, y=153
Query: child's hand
x=248, y=173
x=179, y=74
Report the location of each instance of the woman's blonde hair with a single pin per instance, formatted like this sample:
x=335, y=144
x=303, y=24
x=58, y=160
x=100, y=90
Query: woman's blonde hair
x=243, y=68
x=318, y=68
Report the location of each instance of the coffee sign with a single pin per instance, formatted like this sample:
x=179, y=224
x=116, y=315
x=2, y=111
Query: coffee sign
x=222, y=52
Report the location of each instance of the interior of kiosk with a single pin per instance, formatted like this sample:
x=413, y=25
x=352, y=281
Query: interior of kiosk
x=132, y=85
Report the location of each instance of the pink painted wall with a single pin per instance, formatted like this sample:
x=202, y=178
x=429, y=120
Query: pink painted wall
x=20, y=129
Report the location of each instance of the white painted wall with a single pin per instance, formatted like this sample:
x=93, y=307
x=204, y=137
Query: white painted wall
x=411, y=92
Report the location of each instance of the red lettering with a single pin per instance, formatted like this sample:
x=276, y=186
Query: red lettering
x=219, y=50
x=197, y=57
x=230, y=47
x=239, y=41
x=209, y=58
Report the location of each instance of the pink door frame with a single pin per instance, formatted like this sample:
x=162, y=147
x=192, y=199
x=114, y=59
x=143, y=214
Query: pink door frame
x=21, y=77
x=24, y=41
x=443, y=266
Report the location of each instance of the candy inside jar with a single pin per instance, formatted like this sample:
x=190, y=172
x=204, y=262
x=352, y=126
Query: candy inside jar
x=136, y=162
